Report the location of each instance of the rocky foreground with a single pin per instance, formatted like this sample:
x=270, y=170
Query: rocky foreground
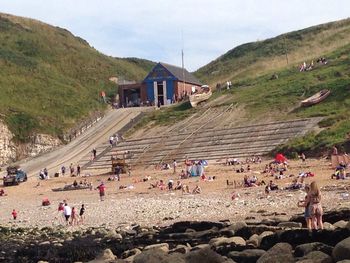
x=277, y=239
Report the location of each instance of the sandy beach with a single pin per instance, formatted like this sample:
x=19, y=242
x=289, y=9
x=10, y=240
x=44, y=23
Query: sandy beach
x=144, y=206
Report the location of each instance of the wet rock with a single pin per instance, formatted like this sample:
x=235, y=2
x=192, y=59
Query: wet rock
x=224, y=241
x=182, y=249
x=201, y=246
x=342, y=250
x=246, y=256
x=162, y=246
x=253, y=240
x=131, y=252
x=205, y=256
x=179, y=227
x=305, y=249
x=318, y=257
x=290, y=224
x=279, y=253
x=106, y=256
x=340, y=224
x=238, y=226
x=328, y=226
x=159, y=256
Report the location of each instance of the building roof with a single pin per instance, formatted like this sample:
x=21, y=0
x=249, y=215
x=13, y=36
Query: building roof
x=181, y=75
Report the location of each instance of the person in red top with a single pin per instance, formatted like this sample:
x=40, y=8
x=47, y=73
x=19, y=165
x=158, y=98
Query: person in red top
x=101, y=188
x=14, y=214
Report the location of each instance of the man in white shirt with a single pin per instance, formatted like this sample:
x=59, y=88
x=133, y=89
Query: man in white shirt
x=67, y=211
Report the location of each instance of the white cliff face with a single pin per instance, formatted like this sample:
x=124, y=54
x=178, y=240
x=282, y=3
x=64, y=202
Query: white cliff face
x=41, y=143
x=8, y=151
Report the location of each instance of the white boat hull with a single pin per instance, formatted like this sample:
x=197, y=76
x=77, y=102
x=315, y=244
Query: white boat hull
x=197, y=98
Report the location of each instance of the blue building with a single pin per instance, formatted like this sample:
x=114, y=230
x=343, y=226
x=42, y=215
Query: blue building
x=165, y=84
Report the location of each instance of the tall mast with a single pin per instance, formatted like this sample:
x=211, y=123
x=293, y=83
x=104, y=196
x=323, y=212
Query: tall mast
x=183, y=64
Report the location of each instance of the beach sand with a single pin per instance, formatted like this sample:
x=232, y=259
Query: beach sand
x=144, y=206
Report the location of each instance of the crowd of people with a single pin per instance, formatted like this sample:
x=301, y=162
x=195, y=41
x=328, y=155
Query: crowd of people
x=307, y=67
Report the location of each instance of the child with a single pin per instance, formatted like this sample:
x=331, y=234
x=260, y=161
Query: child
x=74, y=219
x=14, y=214
x=305, y=203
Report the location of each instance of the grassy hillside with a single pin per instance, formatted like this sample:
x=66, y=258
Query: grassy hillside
x=264, y=99
x=50, y=79
x=262, y=57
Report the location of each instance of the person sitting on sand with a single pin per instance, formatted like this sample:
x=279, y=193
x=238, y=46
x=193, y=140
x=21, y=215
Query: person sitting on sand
x=294, y=186
x=75, y=183
x=161, y=185
x=2, y=192
x=178, y=185
x=185, y=189
x=154, y=185
x=197, y=190
x=170, y=185
x=272, y=186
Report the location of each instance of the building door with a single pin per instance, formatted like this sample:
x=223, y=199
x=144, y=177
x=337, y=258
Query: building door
x=160, y=93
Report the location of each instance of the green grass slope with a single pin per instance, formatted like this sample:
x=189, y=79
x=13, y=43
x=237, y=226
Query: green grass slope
x=262, y=57
x=50, y=79
x=279, y=99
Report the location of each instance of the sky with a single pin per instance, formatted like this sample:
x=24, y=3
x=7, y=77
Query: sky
x=159, y=29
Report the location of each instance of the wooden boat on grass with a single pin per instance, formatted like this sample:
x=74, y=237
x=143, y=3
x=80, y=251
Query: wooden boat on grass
x=317, y=98
x=196, y=98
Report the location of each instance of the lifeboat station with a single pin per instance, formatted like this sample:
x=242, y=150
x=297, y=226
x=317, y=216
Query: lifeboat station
x=164, y=85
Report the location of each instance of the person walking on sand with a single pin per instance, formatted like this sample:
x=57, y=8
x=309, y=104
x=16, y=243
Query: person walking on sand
x=94, y=153
x=101, y=189
x=14, y=214
x=74, y=216
x=81, y=214
x=316, y=211
x=67, y=211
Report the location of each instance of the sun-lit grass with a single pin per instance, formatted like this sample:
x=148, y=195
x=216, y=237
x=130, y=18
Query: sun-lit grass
x=52, y=77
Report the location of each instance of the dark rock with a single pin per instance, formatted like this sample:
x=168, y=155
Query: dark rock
x=248, y=231
x=279, y=253
x=182, y=249
x=342, y=250
x=318, y=257
x=304, y=249
x=179, y=227
x=131, y=252
x=301, y=236
x=246, y=256
x=205, y=256
x=227, y=232
x=158, y=256
x=340, y=224
x=290, y=224
x=332, y=216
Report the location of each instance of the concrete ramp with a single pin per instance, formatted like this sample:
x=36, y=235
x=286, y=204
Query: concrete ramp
x=79, y=149
x=208, y=142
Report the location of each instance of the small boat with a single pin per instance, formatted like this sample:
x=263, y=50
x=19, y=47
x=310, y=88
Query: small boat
x=317, y=98
x=199, y=97
x=71, y=188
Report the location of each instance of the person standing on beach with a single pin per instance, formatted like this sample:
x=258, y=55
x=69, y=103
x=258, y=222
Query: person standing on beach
x=78, y=170
x=94, y=154
x=101, y=189
x=71, y=169
x=81, y=214
x=174, y=166
x=305, y=203
x=14, y=214
x=67, y=211
x=316, y=211
x=63, y=170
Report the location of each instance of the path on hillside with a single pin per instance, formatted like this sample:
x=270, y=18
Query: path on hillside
x=75, y=151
